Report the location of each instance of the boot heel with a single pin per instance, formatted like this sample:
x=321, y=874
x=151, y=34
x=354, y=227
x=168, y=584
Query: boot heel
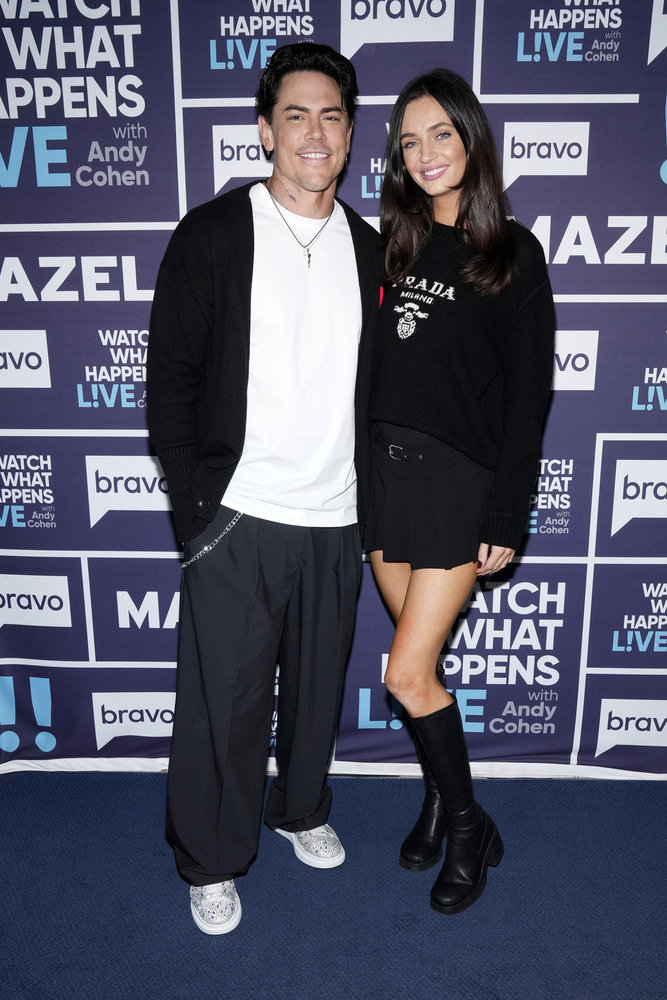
x=496, y=851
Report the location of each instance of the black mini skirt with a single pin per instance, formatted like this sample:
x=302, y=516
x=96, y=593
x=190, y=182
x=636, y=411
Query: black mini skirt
x=427, y=500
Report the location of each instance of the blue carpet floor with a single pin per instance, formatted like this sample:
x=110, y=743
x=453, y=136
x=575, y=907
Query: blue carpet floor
x=91, y=906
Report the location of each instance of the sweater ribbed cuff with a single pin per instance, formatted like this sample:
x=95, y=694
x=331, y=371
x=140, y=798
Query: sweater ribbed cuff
x=505, y=530
x=179, y=465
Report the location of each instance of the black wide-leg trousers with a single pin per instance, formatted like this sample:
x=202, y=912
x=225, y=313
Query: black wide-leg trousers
x=262, y=593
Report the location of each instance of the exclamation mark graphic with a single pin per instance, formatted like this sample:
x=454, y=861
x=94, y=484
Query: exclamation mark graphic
x=396, y=711
x=9, y=740
x=230, y=53
x=40, y=692
x=538, y=45
x=663, y=168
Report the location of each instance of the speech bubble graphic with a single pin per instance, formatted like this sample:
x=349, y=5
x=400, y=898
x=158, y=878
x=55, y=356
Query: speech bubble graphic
x=575, y=359
x=132, y=713
x=640, y=490
x=35, y=600
x=631, y=722
x=237, y=152
x=374, y=21
x=124, y=482
x=545, y=149
x=24, y=360
x=658, y=36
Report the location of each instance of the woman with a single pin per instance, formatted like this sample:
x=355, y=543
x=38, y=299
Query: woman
x=461, y=388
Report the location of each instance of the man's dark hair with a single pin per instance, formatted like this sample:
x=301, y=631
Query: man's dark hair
x=306, y=57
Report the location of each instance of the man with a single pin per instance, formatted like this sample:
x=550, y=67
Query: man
x=259, y=355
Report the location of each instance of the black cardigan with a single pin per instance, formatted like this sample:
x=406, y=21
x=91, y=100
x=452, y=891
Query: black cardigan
x=199, y=348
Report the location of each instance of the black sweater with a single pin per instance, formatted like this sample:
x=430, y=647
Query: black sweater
x=474, y=371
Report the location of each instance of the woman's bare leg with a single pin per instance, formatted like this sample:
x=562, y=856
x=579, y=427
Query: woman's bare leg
x=432, y=601
x=392, y=578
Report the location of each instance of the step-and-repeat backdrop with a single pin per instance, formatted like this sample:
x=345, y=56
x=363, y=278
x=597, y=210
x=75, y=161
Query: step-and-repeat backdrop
x=118, y=116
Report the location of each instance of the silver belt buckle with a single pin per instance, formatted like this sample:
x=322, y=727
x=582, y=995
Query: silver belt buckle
x=396, y=448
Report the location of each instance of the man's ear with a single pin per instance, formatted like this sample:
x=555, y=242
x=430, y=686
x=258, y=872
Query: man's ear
x=266, y=133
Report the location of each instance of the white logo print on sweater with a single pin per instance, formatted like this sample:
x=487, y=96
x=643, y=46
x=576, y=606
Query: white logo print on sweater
x=408, y=321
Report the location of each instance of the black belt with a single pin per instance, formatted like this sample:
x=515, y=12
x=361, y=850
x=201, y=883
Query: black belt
x=417, y=451
x=401, y=454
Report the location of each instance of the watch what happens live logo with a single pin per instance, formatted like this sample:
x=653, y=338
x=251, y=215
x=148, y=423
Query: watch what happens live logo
x=83, y=68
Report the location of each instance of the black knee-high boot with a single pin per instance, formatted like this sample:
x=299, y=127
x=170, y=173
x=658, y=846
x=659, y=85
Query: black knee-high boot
x=422, y=848
x=473, y=841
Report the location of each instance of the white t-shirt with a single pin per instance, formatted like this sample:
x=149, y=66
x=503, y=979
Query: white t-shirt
x=297, y=465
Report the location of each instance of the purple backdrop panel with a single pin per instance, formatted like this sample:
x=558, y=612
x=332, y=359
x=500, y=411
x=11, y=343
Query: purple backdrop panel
x=370, y=726
x=511, y=660
x=633, y=497
x=87, y=114
x=598, y=238
x=629, y=618
x=391, y=43
x=135, y=608
x=609, y=372
x=93, y=493
x=42, y=608
x=362, y=181
x=573, y=49
x=75, y=327
x=625, y=723
x=559, y=515
x=226, y=46
x=223, y=150
x=84, y=712
x=516, y=651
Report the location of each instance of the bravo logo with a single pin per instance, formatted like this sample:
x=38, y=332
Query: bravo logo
x=575, y=359
x=134, y=713
x=376, y=21
x=41, y=601
x=633, y=722
x=640, y=490
x=24, y=360
x=545, y=149
x=237, y=152
x=124, y=482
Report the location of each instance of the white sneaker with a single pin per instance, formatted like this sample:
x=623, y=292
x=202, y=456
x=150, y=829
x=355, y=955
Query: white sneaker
x=319, y=848
x=216, y=909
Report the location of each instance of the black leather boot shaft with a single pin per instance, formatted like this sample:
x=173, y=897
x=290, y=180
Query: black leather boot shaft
x=422, y=848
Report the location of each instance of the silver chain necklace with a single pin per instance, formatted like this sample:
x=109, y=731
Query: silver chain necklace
x=304, y=246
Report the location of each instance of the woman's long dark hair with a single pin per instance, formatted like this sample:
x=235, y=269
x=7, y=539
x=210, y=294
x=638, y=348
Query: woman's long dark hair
x=406, y=211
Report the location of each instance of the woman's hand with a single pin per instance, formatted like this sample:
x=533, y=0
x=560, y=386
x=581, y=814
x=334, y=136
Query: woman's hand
x=492, y=558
